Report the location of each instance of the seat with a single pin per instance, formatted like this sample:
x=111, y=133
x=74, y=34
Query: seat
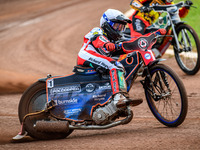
x=84, y=70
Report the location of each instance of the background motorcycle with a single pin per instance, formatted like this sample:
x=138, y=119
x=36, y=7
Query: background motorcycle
x=185, y=40
x=53, y=107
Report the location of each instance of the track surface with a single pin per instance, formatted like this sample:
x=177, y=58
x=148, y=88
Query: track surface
x=41, y=37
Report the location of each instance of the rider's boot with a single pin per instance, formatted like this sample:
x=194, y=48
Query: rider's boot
x=121, y=101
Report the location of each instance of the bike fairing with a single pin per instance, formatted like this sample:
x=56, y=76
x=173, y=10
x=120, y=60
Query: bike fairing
x=90, y=92
x=95, y=90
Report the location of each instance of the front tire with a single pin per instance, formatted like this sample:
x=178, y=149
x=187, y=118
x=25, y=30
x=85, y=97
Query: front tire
x=171, y=104
x=188, y=56
x=33, y=100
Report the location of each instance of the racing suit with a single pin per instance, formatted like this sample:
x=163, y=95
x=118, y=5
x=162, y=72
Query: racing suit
x=141, y=20
x=94, y=54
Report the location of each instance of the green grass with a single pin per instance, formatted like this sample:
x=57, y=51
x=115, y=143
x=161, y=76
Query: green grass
x=193, y=17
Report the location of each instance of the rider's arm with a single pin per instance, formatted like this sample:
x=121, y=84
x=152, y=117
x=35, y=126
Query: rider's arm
x=98, y=40
x=102, y=43
x=184, y=11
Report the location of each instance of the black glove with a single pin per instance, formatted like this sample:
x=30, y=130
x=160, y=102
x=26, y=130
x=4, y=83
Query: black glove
x=145, y=9
x=188, y=3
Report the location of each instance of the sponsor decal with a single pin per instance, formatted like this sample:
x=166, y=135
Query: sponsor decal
x=72, y=111
x=115, y=86
x=122, y=82
x=69, y=101
x=138, y=25
x=147, y=56
x=90, y=87
x=98, y=62
x=99, y=97
x=103, y=39
x=107, y=86
x=66, y=89
x=113, y=75
x=142, y=43
x=114, y=80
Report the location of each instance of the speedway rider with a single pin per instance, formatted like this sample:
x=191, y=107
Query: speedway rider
x=97, y=48
x=143, y=16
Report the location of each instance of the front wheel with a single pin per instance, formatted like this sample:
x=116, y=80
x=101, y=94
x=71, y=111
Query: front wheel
x=32, y=101
x=188, y=56
x=166, y=96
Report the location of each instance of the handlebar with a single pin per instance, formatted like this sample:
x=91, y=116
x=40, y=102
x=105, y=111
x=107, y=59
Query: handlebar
x=167, y=8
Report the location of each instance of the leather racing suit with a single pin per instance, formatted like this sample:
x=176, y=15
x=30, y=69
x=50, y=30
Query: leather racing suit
x=94, y=54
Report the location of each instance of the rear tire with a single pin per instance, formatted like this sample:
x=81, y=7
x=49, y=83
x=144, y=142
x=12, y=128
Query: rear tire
x=34, y=100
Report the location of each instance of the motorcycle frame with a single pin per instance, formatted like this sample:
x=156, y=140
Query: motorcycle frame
x=173, y=23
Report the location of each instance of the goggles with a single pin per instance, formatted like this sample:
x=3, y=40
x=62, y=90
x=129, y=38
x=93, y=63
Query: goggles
x=116, y=26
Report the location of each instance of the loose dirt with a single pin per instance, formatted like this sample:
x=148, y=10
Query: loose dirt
x=43, y=37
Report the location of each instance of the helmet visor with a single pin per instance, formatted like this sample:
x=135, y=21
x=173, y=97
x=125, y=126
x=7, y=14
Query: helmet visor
x=119, y=27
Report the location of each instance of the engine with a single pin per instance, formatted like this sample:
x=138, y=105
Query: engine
x=104, y=115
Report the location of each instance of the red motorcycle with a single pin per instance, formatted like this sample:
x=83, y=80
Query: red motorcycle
x=182, y=37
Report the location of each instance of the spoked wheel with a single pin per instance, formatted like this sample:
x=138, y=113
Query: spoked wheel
x=34, y=101
x=188, y=56
x=166, y=97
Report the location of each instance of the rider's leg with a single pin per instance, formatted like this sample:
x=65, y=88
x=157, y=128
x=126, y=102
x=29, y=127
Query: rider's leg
x=108, y=65
x=119, y=87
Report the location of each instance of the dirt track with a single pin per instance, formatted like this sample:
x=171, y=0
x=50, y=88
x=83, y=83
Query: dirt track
x=41, y=37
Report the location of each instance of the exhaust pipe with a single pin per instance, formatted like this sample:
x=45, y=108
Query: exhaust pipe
x=52, y=126
x=97, y=127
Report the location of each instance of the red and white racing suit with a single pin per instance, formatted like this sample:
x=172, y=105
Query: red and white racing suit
x=93, y=54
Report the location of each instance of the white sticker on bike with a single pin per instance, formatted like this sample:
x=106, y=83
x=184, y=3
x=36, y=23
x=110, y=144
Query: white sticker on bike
x=50, y=83
x=147, y=56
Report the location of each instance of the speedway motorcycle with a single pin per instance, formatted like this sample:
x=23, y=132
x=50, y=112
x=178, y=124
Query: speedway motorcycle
x=185, y=40
x=53, y=107
x=181, y=36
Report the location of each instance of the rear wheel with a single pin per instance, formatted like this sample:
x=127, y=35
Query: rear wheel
x=188, y=56
x=166, y=97
x=33, y=101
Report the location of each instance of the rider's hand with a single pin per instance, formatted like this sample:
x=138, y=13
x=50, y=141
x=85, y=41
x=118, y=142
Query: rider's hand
x=145, y=9
x=161, y=31
x=188, y=3
x=109, y=46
